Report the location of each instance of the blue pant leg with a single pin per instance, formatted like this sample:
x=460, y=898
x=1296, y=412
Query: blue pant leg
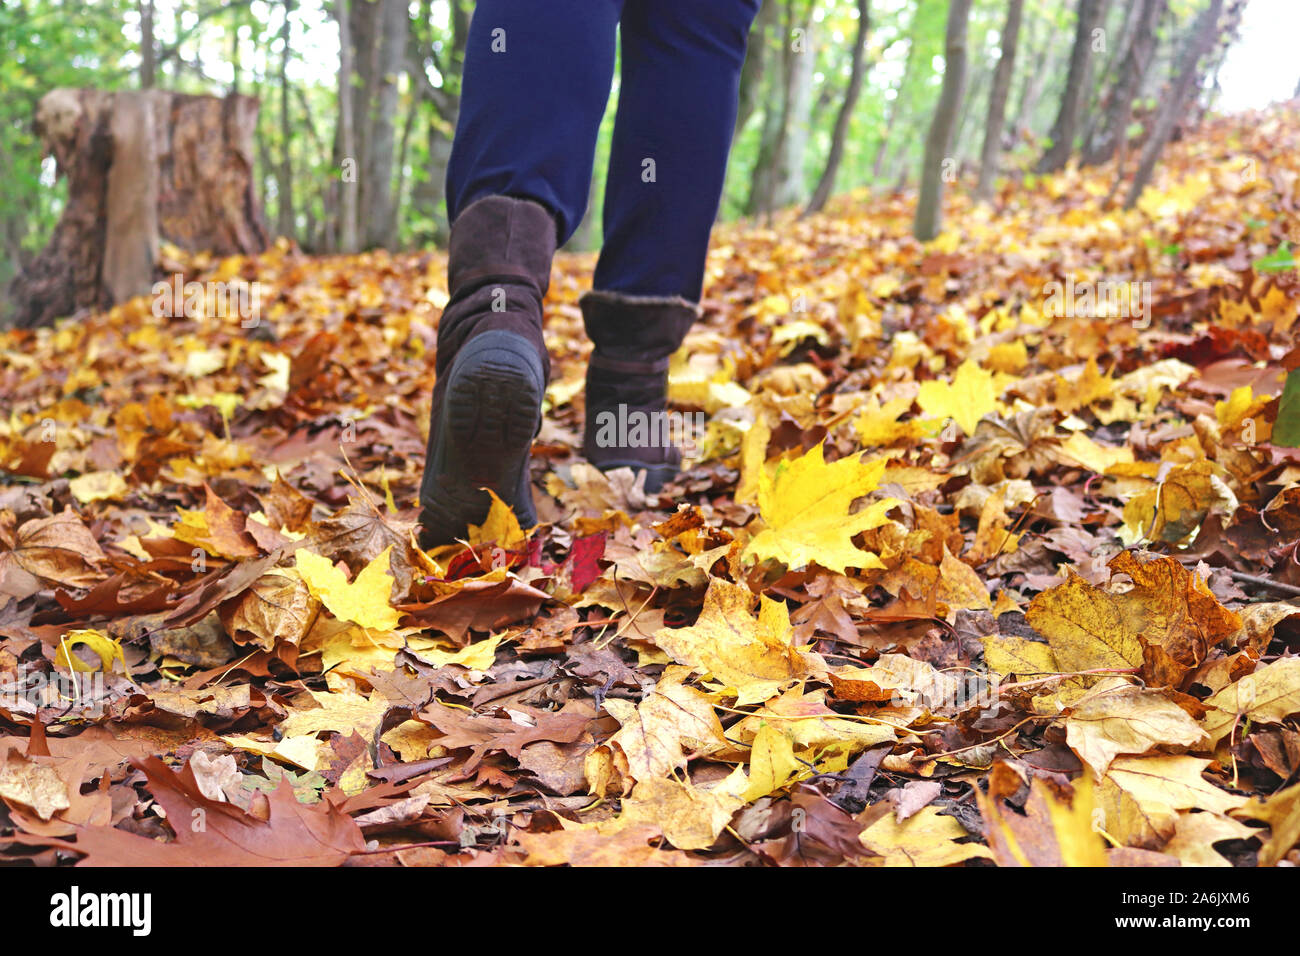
x=535, y=86
x=680, y=81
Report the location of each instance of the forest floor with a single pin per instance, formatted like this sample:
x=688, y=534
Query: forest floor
x=968, y=567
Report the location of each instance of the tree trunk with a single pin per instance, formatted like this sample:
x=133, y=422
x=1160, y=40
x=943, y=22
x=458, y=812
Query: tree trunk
x=1031, y=87
x=1067, y=118
x=938, y=143
x=974, y=103
x=1189, y=74
x=793, y=144
x=365, y=45
x=998, y=100
x=148, y=59
x=1137, y=59
x=1087, y=95
x=1103, y=87
x=394, y=21
x=142, y=166
x=751, y=74
x=841, y=133
x=284, y=178
x=346, y=158
x=763, y=182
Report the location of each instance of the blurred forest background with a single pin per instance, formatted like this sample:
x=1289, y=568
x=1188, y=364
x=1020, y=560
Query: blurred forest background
x=836, y=95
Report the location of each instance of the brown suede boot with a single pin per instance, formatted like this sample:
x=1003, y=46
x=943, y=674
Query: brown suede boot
x=492, y=367
x=627, y=382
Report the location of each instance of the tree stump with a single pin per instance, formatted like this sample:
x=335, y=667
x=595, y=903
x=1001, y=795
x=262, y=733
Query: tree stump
x=143, y=166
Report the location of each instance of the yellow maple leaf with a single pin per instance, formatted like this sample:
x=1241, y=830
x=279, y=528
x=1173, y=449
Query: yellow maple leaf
x=1275, y=307
x=1084, y=627
x=970, y=396
x=1056, y=828
x=1009, y=357
x=772, y=764
x=1117, y=717
x=500, y=527
x=878, y=424
x=805, y=507
x=754, y=657
x=671, y=721
x=362, y=601
x=927, y=838
x=1083, y=388
x=1162, y=784
x=690, y=817
x=1281, y=812
x=343, y=712
x=1092, y=455
x=1173, y=510
x=1268, y=696
x=477, y=656
x=98, y=486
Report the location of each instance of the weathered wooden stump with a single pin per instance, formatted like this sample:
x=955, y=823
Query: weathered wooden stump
x=142, y=166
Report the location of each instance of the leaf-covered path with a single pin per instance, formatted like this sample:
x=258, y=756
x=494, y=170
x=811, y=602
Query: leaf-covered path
x=985, y=556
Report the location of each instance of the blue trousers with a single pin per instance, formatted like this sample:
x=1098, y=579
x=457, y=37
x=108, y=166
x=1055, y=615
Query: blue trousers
x=536, y=82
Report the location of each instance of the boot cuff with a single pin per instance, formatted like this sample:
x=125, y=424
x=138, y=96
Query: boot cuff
x=501, y=239
x=628, y=328
x=604, y=298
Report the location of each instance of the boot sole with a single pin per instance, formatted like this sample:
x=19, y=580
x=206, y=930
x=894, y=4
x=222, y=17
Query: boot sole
x=490, y=413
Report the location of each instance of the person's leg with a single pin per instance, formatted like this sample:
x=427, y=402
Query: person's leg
x=680, y=81
x=535, y=86
x=679, y=85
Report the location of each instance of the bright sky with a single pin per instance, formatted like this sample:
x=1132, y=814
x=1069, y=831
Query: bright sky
x=1262, y=66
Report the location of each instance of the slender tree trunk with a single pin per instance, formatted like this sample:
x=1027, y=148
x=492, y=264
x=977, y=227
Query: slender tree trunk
x=1097, y=47
x=1031, y=88
x=236, y=66
x=1228, y=33
x=1137, y=59
x=393, y=25
x=148, y=57
x=346, y=159
x=1189, y=74
x=974, y=104
x=789, y=182
x=284, y=181
x=428, y=195
x=938, y=143
x=771, y=148
x=1103, y=87
x=399, y=184
x=1067, y=119
x=584, y=237
x=845, y=116
x=998, y=100
x=365, y=32
x=751, y=74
